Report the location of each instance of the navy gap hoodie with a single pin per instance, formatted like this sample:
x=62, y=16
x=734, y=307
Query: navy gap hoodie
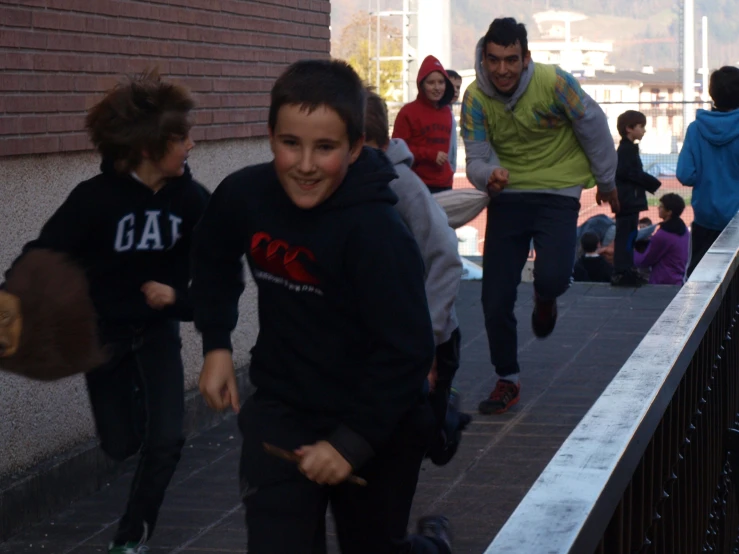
x=123, y=234
x=345, y=334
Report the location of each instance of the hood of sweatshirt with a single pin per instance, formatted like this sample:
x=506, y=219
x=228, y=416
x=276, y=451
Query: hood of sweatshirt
x=718, y=127
x=486, y=85
x=429, y=65
x=399, y=153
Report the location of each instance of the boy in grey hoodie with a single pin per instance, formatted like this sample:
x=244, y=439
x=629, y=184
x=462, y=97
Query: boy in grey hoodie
x=438, y=244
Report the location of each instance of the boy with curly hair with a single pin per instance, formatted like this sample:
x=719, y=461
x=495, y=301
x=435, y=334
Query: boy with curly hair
x=129, y=228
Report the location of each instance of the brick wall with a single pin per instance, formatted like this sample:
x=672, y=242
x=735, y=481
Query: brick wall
x=57, y=56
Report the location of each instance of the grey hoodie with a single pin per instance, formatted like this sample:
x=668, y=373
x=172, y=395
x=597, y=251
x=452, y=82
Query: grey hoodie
x=436, y=240
x=591, y=131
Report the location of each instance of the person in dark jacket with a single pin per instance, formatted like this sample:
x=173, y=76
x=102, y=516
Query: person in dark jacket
x=632, y=183
x=129, y=228
x=592, y=267
x=345, y=340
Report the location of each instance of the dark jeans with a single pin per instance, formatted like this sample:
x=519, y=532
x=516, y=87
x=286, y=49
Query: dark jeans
x=623, y=256
x=138, y=404
x=286, y=512
x=514, y=219
x=701, y=240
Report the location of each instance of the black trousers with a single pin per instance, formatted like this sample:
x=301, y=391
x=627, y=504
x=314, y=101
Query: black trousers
x=138, y=403
x=701, y=240
x=623, y=256
x=286, y=512
x=513, y=220
x=447, y=364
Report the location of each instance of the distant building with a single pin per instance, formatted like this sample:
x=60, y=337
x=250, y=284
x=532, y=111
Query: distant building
x=656, y=93
x=557, y=46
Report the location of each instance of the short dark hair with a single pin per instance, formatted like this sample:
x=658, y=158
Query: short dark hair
x=630, y=118
x=314, y=83
x=589, y=242
x=506, y=31
x=673, y=203
x=375, y=120
x=645, y=221
x=724, y=88
x=453, y=74
x=141, y=114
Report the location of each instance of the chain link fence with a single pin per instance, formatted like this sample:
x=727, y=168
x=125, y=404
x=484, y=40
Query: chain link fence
x=659, y=152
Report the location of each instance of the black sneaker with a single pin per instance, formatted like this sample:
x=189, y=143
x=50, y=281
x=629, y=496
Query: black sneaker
x=544, y=317
x=628, y=278
x=436, y=527
x=456, y=422
x=506, y=394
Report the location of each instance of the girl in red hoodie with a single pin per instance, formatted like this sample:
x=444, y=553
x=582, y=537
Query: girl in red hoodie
x=426, y=126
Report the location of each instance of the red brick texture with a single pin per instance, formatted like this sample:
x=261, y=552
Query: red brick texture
x=57, y=57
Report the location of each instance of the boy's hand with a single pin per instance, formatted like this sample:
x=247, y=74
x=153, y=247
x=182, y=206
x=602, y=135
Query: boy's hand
x=498, y=180
x=218, y=381
x=322, y=463
x=442, y=158
x=158, y=295
x=433, y=374
x=11, y=324
x=610, y=197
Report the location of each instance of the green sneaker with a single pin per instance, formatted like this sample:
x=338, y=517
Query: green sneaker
x=131, y=547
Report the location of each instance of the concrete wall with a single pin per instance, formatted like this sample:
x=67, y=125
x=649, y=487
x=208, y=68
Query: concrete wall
x=41, y=419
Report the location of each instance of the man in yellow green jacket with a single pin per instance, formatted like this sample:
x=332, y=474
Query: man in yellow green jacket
x=534, y=140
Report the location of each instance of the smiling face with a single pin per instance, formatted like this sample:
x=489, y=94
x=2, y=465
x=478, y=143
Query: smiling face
x=434, y=86
x=312, y=153
x=504, y=65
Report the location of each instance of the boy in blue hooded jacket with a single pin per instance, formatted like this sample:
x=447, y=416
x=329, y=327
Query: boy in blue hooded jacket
x=709, y=162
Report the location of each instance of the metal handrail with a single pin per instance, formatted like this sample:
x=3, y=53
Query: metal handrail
x=572, y=502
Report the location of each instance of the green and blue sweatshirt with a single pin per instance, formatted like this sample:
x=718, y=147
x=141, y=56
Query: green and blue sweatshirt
x=549, y=134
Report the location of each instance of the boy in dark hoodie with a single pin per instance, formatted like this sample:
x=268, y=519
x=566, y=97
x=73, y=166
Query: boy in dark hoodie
x=426, y=126
x=129, y=228
x=345, y=339
x=709, y=162
x=439, y=249
x=456, y=80
x=591, y=267
x=632, y=182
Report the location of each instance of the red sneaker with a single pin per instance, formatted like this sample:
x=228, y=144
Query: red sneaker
x=505, y=395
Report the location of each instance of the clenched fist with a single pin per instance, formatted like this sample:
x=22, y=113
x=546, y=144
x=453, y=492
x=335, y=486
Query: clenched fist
x=498, y=180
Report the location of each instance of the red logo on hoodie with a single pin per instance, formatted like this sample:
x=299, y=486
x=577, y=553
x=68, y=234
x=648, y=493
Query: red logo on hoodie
x=279, y=258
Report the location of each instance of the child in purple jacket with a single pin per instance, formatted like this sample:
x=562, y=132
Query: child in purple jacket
x=667, y=252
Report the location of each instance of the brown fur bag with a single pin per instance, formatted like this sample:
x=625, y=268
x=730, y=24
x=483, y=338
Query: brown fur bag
x=48, y=326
